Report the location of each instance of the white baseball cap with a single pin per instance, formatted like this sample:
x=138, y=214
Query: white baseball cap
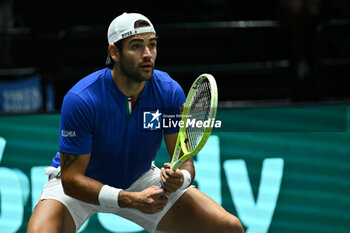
x=123, y=27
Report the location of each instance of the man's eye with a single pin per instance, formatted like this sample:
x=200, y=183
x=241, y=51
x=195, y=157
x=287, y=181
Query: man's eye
x=152, y=45
x=135, y=46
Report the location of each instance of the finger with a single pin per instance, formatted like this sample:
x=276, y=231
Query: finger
x=164, y=198
x=170, y=187
x=169, y=191
x=155, y=187
x=171, y=182
x=158, y=192
x=159, y=209
x=165, y=188
x=164, y=177
x=162, y=205
x=162, y=181
x=164, y=173
x=172, y=173
x=167, y=165
x=166, y=192
x=173, y=179
x=168, y=171
x=177, y=173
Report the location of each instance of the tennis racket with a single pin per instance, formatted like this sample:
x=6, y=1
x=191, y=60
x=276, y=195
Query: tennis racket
x=200, y=106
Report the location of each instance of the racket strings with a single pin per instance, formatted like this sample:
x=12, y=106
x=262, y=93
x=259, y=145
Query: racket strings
x=199, y=112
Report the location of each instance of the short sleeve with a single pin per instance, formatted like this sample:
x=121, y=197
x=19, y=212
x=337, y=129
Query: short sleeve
x=76, y=126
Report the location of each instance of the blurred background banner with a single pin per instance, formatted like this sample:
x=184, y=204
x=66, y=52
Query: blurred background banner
x=280, y=161
x=20, y=96
x=273, y=180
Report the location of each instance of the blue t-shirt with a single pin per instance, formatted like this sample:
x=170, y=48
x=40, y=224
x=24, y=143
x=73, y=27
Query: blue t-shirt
x=95, y=119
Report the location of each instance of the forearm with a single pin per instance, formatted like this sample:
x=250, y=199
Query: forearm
x=77, y=185
x=74, y=181
x=88, y=190
x=189, y=166
x=82, y=188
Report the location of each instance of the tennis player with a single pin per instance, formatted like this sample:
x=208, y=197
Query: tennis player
x=105, y=159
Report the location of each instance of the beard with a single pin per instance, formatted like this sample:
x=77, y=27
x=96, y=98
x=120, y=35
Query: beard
x=133, y=72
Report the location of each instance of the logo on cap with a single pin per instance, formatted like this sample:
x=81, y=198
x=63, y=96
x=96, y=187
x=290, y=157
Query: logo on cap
x=126, y=34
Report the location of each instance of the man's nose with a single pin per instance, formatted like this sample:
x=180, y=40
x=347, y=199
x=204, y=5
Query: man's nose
x=147, y=53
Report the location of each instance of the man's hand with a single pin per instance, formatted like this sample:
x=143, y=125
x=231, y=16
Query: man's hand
x=171, y=180
x=150, y=200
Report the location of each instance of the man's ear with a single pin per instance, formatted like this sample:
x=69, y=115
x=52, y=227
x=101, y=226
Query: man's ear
x=114, y=52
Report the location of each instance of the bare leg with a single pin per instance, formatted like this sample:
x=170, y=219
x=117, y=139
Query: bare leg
x=51, y=216
x=195, y=212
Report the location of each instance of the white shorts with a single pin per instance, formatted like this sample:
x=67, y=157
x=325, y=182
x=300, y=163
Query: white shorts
x=81, y=211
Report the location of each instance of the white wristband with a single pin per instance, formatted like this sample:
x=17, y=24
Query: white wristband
x=187, y=179
x=108, y=196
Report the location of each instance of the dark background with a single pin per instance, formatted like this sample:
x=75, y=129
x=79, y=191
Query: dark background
x=272, y=50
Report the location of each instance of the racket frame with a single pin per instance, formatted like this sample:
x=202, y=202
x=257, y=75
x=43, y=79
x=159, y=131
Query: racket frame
x=181, y=138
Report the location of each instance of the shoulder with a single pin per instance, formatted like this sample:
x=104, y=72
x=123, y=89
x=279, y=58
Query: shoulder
x=85, y=92
x=162, y=76
x=165, y=82
x=88, y=82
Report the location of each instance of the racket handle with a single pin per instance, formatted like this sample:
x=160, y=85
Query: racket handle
x=161, y=187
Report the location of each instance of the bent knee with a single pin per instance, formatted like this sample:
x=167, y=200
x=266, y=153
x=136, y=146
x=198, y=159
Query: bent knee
x=50, y=216
x=233, y=225
x=39, y=227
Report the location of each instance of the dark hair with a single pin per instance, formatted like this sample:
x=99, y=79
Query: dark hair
x=139, y=23
x=110, y=63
